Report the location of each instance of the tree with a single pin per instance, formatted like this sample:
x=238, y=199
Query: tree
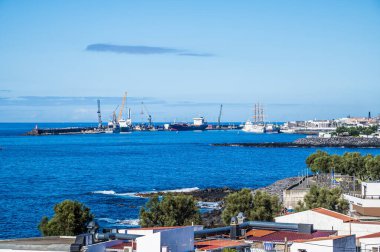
x=229, y=250
x=323, y=197
x=172, y=210
x=311, y=158
x=70, y=218
x=372, y=166
x=261, y=206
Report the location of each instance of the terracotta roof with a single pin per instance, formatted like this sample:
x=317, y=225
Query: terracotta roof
x=333, y=214
x=321, y=238
x=374, y=235
x=156, y=228
x=259, y=232
x=218, y=244
x=279, y=236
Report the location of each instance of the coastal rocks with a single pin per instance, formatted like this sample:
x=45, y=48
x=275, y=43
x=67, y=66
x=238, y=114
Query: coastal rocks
x=312, y=142
x=278, y=187
x=348, y=142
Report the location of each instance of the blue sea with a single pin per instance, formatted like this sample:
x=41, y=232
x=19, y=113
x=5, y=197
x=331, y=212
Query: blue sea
x=105, y=170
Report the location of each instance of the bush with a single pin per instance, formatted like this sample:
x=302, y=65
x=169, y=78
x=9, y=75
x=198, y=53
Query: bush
x=170, y=211
x=70, y=219
x=261, y=206
x=323, y=197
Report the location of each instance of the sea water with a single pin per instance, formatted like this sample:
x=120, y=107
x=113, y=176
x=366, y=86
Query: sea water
x=105, y=171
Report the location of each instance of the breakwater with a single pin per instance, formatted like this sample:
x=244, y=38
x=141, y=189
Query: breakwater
x=340, y=142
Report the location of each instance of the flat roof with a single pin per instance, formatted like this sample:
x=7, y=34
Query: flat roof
x=49, y=243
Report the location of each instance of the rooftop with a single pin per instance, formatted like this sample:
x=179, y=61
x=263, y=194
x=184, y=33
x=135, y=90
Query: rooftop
x=279, y=236
x=51, y=243
x=218, y=244
x=374, y=235
x=333, y=214
x=322, y=238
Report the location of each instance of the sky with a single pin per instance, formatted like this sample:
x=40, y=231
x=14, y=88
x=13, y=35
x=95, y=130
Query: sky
x=300, y=59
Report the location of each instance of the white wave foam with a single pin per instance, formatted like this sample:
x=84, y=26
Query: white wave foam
x=209, y=205
x=106, y=192
x=140, y=194
x=127, y=222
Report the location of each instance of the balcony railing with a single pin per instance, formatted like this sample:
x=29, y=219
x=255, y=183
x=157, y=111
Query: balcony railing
x=374, y=197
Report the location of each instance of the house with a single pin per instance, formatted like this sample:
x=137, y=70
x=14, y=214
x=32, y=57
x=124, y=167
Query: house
x=369, y=242
x=323, y=219
x=367, y=204
x=326, y=244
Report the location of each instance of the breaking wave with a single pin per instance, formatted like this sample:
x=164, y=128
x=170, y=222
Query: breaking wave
x=127, y=222
x=139, y=194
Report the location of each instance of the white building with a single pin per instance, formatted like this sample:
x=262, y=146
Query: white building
x=154, y=239
x=326, y=244
x=368, y=202
x=369, y=242
x=324, y=219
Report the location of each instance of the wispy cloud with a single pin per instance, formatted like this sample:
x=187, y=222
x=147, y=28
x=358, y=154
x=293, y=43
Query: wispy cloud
x=5, y=90
x=72, y=101
x=144, y=50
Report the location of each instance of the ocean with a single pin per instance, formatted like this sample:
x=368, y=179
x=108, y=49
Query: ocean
x=104, y=171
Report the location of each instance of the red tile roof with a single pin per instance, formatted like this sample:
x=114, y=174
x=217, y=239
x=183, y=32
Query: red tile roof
x=374, y=235
x=333, y=214
x=218, y=244
x=322, y=238
x=156, y=228
x=259, y=232
x=279, y=236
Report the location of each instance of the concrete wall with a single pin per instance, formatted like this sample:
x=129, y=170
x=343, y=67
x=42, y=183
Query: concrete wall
x=101, y=247
x=149, y=243
x=291, y=197
x=317, y=246
x=343, y=244
x=373, y=188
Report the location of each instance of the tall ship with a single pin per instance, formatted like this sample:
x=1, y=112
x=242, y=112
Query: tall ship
x=257, y=125
x=198, y=124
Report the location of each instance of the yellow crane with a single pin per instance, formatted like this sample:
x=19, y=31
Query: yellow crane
x=122, y=107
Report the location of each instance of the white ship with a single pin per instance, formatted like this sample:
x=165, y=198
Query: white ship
x=258, y=125
x=253, y=128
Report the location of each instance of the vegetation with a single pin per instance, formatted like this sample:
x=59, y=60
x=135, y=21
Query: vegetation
x=172, y=210
x=229, y=250
x=323, y=197
x=261, y=206
x=70, y=218
x=356, y=131
x=365, y=167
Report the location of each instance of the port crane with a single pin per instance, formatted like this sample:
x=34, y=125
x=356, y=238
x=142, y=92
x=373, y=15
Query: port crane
x=122, y=107
x=220, y=115
x=143, y=107
x=114, y=119
x=100, y=125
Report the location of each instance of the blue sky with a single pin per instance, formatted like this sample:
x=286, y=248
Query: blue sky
x=301, y=59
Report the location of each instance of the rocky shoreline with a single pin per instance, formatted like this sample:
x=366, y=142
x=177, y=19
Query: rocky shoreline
x=312, y=142
x=212, y=218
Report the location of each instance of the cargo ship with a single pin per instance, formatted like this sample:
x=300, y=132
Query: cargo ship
x=198, y=124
